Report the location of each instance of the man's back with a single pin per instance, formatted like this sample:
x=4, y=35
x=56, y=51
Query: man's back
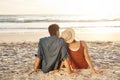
x=52, y=50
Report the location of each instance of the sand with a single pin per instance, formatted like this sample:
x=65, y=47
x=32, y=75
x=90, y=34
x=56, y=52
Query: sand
x=22, y=36
x=87, y=34
x=17, y=50
x=17, y=59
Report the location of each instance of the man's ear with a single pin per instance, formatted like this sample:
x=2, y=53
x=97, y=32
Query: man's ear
x=57, y=33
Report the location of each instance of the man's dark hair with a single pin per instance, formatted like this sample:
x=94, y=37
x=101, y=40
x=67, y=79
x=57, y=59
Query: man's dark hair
x=53, y=28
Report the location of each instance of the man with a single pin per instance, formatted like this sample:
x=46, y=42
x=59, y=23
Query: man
x=52, y=51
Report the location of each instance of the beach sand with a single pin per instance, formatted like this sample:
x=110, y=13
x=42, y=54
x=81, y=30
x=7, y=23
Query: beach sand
x=17, y=58
x=87, y=34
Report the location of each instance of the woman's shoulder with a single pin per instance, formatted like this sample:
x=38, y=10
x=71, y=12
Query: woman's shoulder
x=83, y=43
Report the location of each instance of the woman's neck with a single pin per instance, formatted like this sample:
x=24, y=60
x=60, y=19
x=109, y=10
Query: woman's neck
x=74, y=41
x=74, y=46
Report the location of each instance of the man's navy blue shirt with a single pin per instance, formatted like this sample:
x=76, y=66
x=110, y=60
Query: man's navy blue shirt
x=51, y=51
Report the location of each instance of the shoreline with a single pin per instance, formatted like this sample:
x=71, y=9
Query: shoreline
x=81, y=34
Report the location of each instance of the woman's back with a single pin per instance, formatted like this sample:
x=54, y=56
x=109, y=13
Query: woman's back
x=77, y=58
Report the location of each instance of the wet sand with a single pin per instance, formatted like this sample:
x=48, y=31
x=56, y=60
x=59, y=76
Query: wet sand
x=87, y=34
x=34, y=37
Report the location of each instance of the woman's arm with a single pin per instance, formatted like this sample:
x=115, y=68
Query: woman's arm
x=68, y=59
x=67, y=65
x=87, y=57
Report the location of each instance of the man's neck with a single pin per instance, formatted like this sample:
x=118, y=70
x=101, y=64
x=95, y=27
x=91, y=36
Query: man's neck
x=54, y=35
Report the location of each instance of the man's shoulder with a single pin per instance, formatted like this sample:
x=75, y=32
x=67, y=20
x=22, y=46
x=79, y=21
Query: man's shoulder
x=47, y=39
x=43, y=39
x=62, y=41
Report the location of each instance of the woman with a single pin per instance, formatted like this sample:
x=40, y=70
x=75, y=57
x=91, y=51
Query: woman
x=78, y=52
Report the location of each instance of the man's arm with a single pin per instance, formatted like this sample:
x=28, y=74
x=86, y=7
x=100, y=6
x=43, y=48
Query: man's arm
x=36, y=64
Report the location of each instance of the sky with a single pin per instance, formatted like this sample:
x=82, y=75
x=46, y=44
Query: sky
x=94, y=8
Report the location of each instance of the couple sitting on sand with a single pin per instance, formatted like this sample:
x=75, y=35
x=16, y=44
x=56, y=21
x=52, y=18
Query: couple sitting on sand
x=55, y=52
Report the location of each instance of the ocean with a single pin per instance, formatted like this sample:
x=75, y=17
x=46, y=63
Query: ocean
x=36, y=22
x=36, y=25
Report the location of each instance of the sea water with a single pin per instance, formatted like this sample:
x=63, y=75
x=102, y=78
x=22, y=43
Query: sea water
x=37, y=23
